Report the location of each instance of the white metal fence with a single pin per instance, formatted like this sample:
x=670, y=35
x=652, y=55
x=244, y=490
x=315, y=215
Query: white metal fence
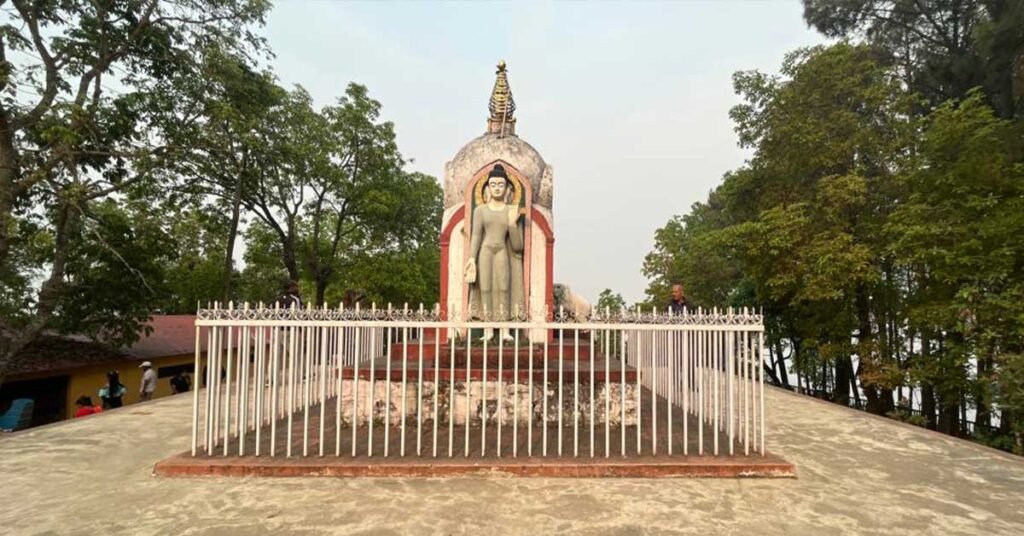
x=412, y=382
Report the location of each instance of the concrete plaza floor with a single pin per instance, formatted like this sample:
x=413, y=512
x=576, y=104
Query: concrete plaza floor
x=856, y=474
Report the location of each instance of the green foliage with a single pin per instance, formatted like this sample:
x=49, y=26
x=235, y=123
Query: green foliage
x=115, y=275
x=609, y=301
x=72, y=150
x=194, y=270
x=885, y=245
x=942, y=49
x=264, y=276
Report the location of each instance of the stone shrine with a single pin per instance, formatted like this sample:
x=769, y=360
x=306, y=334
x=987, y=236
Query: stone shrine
x=497, y=173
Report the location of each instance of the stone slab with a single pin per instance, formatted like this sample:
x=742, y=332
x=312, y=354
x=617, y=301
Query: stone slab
x=857, y=475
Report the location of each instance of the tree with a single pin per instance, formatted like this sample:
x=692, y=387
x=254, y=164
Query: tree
x=883, y=245
x=193, y=267
x=67, y=142
x=226, y=142
x=334, y=194
x=609, y=301
x=961, y=229
x=797, y=231
x=943, y=48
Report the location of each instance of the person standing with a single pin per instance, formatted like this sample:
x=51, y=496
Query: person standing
x=112, y=394
x=678, y=302
x=148, y=384
x=290, y=297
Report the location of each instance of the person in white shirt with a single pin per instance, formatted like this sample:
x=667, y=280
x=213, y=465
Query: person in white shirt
x=148, y=381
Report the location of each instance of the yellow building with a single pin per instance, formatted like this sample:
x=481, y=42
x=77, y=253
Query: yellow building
x=54, y=371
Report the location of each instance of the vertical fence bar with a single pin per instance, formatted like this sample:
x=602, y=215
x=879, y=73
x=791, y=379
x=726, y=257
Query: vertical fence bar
x=218, y=395
x=469, y=365
x=500, y=387
x=370, y=402
x=196, y=371
x=744, y=362
x=593, y=402
x=544, y=402
x=275, y=373
x=701, y=339
x=607, y=390
x=576, y=394
x=211, y=391
x=356, y=354
x=306, y=377
x=261, y=372
x=437, y=377
x=451, y=396
x=326, y=356
x=642, y=379
x=605, y=343
x=686, y=336
x=340, y=344
x=529, y=399
x=483, y=399
x=561, y=380
x=730, y=372
x=671, y=374
x=716, y=370
x=405, y=381
x=227, y=386
x=622, y=389
x=654, y=354
x=419, y=386
x=290, y=393
x=515, y=391
x=760, y=374
x=387, y=387
x=243, y=388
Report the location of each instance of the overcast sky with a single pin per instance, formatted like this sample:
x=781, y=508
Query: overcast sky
x=627, y=101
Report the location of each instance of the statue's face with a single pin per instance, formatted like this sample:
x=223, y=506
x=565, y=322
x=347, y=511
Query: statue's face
x=496, y=186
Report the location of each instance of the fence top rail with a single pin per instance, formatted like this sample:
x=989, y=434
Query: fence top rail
x=732, y=318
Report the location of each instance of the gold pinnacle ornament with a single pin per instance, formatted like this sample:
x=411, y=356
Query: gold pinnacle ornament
x=502, y=107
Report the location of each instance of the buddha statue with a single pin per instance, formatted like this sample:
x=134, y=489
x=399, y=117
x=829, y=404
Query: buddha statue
x=495, y=267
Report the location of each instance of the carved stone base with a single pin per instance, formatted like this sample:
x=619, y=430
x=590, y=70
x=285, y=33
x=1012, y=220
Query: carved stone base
x=476, y=401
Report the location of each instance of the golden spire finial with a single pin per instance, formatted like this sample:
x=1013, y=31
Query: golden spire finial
x=501, y=105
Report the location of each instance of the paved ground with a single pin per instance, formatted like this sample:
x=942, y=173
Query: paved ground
x=856, y=475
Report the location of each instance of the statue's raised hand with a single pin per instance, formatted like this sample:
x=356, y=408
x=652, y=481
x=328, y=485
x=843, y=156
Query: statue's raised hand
x=513, y=216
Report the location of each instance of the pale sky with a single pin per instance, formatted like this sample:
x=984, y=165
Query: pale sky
x=627, y=101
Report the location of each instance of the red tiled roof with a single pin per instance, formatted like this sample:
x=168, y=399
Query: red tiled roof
x=51, y=352
x=171, y=335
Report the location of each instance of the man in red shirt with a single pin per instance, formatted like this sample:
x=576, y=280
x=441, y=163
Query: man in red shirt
x=85, y=407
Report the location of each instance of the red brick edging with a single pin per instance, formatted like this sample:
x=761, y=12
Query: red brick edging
x=769, y=466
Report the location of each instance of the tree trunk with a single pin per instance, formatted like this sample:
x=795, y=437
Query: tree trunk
x=321, y=289
x=949, y=418
x=866, y=349
x=290, y=262
x=928, y=405
x=229, y=253
x=844, y=375
x=9, y=173
x=783, y=374
x=983, y=416
x=13, y=339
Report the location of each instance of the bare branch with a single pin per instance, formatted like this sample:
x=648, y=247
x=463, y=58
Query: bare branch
x=50, y=65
